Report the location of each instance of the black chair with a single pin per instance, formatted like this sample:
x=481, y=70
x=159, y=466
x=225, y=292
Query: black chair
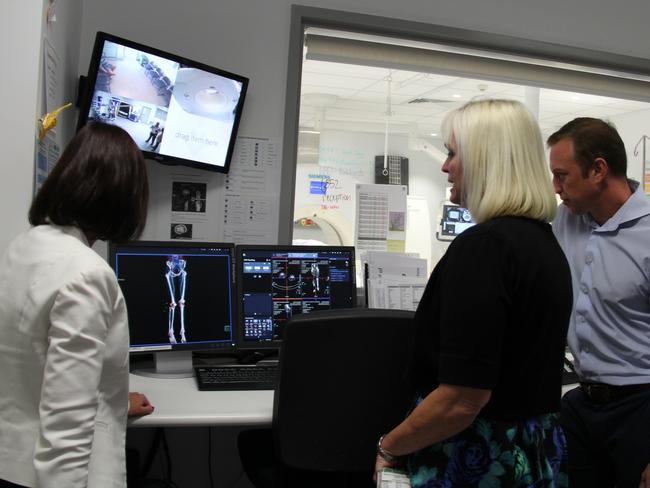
x=344, y=381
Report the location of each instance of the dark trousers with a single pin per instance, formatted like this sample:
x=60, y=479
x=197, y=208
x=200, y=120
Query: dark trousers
x=608, y=443
x=6, y=484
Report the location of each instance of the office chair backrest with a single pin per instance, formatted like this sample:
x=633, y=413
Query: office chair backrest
x=343, y=382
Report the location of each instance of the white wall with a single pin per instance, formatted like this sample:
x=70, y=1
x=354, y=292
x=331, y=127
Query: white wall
x=20, y=38
x=23, y=27
x=242, y=36
x=63, y=34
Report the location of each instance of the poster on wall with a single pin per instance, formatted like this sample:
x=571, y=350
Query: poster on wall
x=381, y=217
x=47, y=154
x=183, y=204
x=240, y=207
x=48, y=148
x=250, y=210
x=190, y=213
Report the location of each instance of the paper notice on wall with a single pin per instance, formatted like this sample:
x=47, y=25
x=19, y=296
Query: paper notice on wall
x=249, y=219
x=184, y=204
x=47, y=154
x=240, y=207
x=52, y=77
x=249, y=214
x=381, y=217
x=48, y=147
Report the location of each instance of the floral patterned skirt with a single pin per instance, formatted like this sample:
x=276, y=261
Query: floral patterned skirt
x=492, y=454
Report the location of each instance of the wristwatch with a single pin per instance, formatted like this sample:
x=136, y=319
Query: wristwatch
x=385, y=454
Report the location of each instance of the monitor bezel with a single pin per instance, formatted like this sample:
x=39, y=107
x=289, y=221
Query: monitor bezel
x=217, y=347
x=91, y=79
x=240, y=249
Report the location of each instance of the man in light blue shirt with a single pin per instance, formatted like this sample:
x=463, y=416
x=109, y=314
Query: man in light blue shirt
x=603, y=226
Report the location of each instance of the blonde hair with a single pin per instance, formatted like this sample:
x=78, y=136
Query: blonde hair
x=504, y=165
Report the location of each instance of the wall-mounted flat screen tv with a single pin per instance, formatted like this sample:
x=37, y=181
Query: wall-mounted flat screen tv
x=177, y=110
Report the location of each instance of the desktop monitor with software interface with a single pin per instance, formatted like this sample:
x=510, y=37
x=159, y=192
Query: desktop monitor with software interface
x=276, y=282
x=179, y=299
x=455, y=220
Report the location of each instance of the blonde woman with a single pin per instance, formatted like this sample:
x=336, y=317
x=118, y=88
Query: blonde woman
x=493, y=319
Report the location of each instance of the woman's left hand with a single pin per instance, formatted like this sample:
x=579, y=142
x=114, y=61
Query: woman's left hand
x=139, y=405
x=381, y=463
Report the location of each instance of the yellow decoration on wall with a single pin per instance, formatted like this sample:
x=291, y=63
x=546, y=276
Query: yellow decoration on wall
x=48, y=121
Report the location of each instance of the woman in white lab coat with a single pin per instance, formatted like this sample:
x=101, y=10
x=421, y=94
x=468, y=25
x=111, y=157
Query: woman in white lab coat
x=63, y=323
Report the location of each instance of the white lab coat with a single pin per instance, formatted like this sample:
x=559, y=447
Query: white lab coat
x=63, y=363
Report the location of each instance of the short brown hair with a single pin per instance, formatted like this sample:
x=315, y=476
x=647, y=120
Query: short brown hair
x=593, y=138
x=99, y=184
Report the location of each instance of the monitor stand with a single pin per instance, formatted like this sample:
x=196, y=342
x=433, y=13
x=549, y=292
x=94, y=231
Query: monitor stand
x=169, y=364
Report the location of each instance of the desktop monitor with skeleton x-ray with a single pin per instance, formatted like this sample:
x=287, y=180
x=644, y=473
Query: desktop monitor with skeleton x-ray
x=178, y=297
x=275, y=283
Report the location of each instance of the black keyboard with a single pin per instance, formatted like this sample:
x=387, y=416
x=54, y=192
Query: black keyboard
x=236, y=377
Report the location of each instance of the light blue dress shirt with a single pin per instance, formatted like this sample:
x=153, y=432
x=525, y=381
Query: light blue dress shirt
x=609, y=332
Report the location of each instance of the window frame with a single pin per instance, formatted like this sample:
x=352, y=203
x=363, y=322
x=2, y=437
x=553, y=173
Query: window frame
x=303, y=17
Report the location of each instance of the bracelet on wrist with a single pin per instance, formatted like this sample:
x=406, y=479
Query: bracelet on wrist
x=385, y=455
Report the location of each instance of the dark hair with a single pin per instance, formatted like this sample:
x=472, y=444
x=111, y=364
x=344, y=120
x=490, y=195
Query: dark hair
x=593, y=138
x=99, y=184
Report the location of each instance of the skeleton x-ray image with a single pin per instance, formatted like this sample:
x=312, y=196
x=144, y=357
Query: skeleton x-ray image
x=176, y=298
x=176, y=277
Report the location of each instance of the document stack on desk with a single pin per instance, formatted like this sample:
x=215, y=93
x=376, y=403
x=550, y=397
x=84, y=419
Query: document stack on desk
x=394, y=280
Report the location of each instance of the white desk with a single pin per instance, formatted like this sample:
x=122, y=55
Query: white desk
x=177, y=402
